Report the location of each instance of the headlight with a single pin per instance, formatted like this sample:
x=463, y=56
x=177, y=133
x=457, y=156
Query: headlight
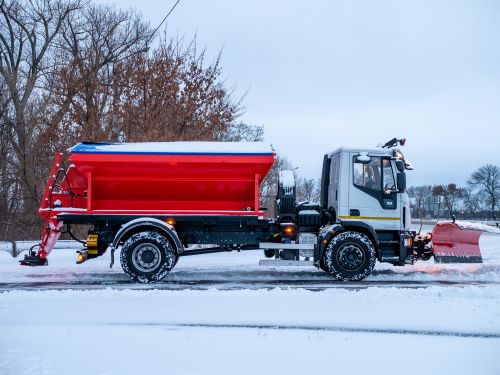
x=408, y=242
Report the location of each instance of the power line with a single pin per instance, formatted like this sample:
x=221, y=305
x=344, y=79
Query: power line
x=164, y=19
x=146, y=48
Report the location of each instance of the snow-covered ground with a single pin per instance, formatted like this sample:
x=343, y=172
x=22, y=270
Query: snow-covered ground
x=434, y=331
x=223, y=314
x=242, y=270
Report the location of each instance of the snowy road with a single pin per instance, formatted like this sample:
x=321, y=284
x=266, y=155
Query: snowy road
x=224, y=314
x=228, y=271
x=236, y=271
x=231, y=285
x=376, y=330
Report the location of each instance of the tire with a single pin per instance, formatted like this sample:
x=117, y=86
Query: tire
x=323, y=266
x=350, y=256
x=147, y=257
x=269, y=253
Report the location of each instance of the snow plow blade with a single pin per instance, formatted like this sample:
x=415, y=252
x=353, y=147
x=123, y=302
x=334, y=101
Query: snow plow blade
x=453, y=243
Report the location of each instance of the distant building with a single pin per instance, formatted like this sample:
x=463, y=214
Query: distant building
x=433, y=207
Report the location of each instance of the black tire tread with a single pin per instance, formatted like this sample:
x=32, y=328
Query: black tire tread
x=168, y=257
x=335, y=244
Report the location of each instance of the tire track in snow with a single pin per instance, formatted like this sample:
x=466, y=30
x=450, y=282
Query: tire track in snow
x=279, y=327
x=311, y=285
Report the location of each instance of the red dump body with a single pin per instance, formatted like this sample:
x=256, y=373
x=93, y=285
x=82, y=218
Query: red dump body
x=219, y=178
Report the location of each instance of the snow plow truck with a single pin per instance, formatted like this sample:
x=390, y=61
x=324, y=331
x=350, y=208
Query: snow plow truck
x=155, y=200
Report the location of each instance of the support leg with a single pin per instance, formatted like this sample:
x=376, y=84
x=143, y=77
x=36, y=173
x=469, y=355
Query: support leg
x=50, y=235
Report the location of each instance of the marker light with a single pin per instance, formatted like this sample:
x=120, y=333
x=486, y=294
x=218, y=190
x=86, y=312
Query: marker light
x=80, y=258
x=288, y=230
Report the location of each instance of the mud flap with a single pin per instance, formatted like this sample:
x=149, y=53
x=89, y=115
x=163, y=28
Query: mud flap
x=453, y=244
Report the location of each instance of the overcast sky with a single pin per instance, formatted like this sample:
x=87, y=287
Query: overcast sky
x=325, y=74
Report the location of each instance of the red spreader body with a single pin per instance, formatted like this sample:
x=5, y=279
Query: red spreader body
x=208, y=178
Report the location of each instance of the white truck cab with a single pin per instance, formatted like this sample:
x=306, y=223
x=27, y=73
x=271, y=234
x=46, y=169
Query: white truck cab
x=363, y=192
x=363, y=186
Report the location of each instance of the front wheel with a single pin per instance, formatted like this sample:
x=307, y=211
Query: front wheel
x=350, y=256
x=147, y=257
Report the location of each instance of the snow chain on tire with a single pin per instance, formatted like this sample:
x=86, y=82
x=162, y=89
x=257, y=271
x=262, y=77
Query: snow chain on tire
x=147, y=257
x=350, y=256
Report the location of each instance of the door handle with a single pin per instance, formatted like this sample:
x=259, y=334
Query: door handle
x=354, y=212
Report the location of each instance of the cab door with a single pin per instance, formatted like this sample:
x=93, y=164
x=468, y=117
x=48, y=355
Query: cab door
x=373, y=196
x=334, y=188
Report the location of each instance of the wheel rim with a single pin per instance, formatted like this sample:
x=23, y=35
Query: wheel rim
x=350, y=257
x=146, y=257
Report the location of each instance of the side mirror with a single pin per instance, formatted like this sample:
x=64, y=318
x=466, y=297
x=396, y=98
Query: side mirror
x=400, y=165
x=363, y=158
x=401, y=176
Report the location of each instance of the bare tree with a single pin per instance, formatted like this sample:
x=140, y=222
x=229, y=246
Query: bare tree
x=71, y=70
x=86, y=92
x=487, y=180
x=243, y=132
x=451, y=194
x=28, y=30
x=308, y=190
x=8, y=184
x=421, y=195
x=168, y=95
x=175, y=95
x=471, y=202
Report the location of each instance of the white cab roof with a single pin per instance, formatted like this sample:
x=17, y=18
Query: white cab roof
x=370, y=151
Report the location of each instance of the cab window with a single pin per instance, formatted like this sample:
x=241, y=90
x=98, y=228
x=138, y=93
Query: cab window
x=368, y=175
x=389, y=183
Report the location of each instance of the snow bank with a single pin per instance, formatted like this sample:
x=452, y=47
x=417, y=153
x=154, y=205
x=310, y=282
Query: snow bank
x=5, y=246
x=477, y=226
x=175, y=148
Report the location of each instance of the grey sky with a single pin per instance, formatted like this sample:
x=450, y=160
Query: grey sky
x=322, y=74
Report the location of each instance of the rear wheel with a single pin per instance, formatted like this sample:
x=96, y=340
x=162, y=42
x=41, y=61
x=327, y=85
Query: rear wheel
x=147, y=257
x=350, y=256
